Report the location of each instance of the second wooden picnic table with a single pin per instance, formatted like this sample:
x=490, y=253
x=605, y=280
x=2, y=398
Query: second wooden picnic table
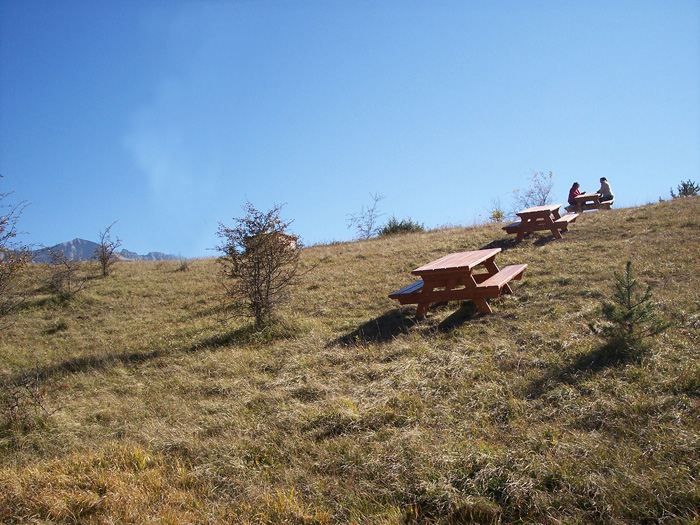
x=589, y=201
x=541, y=218
x=452, y=278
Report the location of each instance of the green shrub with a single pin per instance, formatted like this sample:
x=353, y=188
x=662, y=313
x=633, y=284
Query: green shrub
x=395, y=226
x=686, y=189
x=631, y=317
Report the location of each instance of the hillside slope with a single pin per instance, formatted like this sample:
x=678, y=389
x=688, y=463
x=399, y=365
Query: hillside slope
x=163, y=412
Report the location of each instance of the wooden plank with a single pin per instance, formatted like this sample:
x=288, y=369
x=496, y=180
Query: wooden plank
x=509, y=273
x=547, y=208
x=457, y=261
x=411, y=289
x=566, y=219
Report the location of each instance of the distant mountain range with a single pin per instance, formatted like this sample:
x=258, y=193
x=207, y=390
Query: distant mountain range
x=82, y=250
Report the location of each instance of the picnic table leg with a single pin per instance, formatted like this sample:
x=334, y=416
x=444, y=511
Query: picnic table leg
x=553, y=228
x=482, y=306
x=421, y=310
x=556, y=233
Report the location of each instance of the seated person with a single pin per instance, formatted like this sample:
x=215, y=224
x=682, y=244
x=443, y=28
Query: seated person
x=573, y=192
x=605, y=192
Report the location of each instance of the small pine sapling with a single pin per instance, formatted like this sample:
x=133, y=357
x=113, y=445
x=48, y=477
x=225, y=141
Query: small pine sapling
x=631, y=316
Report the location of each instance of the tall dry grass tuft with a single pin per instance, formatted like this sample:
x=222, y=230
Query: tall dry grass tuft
x=351, y=411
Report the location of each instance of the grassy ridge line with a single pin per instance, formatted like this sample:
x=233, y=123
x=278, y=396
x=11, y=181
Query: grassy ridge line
x=353, y=412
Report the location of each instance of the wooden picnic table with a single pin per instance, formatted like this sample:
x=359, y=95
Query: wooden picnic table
x=541, y=218
x=589, y=201
x=452, y=278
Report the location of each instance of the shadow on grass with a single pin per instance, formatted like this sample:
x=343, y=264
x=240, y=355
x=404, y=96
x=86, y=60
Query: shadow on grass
x=611, y=355
x=382, y=329
x=503, y=244
x=82, y=364
x=248, y=334
x=464, y=313
x=399, y=321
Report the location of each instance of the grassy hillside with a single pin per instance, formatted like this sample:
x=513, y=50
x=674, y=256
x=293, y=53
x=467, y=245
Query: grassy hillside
x=162, y=412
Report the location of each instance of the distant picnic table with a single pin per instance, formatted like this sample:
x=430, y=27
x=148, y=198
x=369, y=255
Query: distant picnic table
x=540, y=218
x=589, y=201
x=452, y=278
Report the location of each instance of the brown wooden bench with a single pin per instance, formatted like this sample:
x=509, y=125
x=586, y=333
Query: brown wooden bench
x=565, y=220
x=497, y=281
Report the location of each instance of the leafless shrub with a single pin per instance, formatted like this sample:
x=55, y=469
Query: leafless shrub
x=64, y=279
x=538, y=193
x=366, y=222
x=23, y=402
x=14, y=256
x=184, y=264
x=106, y=253
x=260, y=262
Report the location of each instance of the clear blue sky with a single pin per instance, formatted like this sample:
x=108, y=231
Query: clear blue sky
x=169, y=115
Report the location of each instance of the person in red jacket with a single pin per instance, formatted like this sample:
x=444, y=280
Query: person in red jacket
x=573, y=192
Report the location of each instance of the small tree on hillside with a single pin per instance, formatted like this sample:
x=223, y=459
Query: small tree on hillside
x=496, y=213
x=14, y=256
x=538, y=193
x=631, y=316
x=686, y=189
x=366, y=222
x=260, y=262
x=64, y=279
x=106, y=253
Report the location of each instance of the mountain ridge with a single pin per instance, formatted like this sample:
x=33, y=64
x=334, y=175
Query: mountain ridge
x=83, y=250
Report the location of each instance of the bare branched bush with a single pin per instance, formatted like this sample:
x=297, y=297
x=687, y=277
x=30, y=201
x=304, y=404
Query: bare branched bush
x=106, y=253
x=14, y=256
x=64, y=279
x=366, y=222
x=538, y=193
x=23, y=402
x=260, y=262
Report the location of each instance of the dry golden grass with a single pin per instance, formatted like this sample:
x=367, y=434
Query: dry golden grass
x=353, y=413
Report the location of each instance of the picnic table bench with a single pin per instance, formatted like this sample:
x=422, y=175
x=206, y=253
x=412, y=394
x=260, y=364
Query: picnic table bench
x=540, y=218
x=452, y=278
x=589, y=201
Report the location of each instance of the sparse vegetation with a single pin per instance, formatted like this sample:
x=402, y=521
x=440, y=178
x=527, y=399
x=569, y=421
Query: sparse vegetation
x=538, y=193
x=631, y=316
x=686, y=189
x=395, y=226
x=366, y=222
x=106, y=254
x=362, y=415
x=14, y=255
x=65, y=278
x=260, y=262
x=496, y=213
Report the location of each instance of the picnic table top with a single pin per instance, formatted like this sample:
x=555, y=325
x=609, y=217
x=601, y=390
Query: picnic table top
x=457, y=261
x=587, y=197
x=539, y=210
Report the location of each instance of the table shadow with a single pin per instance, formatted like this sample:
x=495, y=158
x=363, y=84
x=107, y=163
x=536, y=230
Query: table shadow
x=390, y=325
x=381, y=329
x=503, y=244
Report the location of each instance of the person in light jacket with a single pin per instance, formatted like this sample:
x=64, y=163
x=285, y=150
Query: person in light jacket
x=605, y=192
